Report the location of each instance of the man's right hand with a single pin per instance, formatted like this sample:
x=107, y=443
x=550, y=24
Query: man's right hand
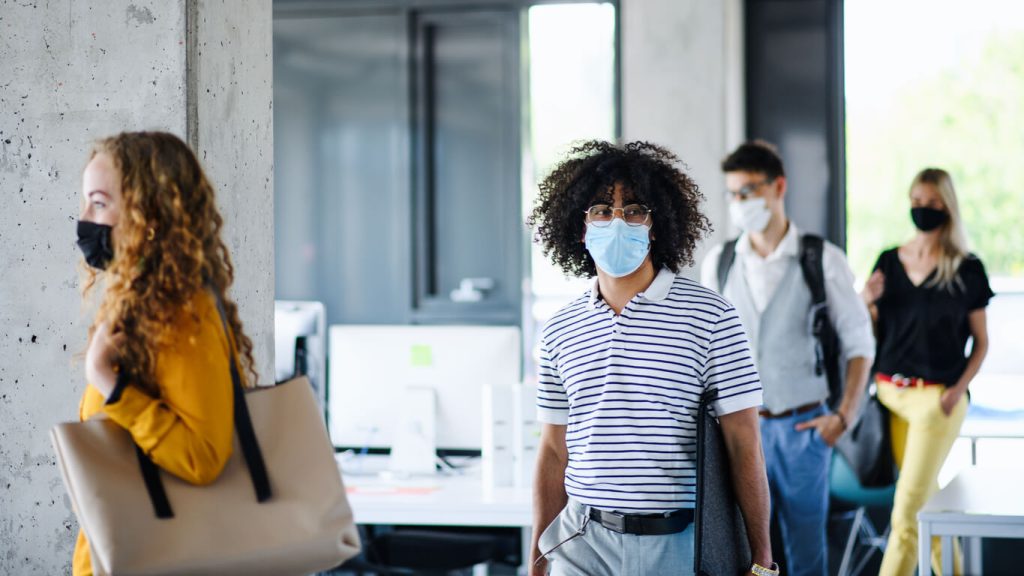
x=538, y=566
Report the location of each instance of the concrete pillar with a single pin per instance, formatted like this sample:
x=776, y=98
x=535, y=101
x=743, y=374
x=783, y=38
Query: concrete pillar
x=682, y=88
x=230, y=116
x=71, y=72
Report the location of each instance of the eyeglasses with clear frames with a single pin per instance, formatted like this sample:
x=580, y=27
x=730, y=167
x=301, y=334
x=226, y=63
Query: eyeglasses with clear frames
x=745, y=192
x=632, y=214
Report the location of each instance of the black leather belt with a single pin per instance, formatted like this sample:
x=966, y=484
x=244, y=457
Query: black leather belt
x=644, y=524
x=791, y=412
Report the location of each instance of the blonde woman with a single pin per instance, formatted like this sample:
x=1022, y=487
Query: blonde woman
x=927, y=299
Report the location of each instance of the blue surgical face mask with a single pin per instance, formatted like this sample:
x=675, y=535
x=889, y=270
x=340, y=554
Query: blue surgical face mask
x=618, y=248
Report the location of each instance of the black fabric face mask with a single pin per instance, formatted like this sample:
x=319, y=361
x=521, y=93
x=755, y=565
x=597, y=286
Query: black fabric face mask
x=94, y=240
x=928, y=219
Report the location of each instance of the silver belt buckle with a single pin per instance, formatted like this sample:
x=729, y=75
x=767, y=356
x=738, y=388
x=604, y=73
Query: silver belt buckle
x=614, y=521
x=901, y=381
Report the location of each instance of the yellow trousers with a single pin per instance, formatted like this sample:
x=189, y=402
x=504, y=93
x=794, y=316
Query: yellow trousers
x=922, y=436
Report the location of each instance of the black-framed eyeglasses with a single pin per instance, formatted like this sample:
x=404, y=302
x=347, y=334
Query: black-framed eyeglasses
x=632, y=214
x=746, y=191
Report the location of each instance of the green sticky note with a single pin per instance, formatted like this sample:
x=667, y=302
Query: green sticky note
x=421, y=355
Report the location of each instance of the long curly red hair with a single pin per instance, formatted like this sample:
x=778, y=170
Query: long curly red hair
x=167, y=248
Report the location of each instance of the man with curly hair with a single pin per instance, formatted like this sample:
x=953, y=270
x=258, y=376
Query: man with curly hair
x=623, y=368
x=762, y=274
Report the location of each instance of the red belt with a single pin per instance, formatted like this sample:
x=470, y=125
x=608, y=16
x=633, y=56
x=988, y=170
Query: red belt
x=792, y=412
x=901, y=381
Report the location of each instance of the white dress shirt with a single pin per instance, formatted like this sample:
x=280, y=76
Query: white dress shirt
x=846, y=310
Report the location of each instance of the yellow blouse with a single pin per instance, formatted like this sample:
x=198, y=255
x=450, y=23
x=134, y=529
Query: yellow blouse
x=188, y=431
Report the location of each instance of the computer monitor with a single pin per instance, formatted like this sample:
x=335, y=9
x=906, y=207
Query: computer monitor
x=300, y=343
x=373, y=368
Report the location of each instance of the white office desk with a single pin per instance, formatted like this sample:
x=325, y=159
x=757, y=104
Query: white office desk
x=438, y=500
x=980, y=502
x=989, y=429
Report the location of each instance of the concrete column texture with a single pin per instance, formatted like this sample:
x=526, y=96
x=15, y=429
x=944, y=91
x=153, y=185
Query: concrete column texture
x=682, y=88
x=73, y=71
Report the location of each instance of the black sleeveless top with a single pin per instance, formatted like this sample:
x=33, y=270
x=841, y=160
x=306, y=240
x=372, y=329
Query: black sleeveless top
x=923, y=330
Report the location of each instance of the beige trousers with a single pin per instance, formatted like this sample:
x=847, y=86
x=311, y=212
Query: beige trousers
x=922, y=436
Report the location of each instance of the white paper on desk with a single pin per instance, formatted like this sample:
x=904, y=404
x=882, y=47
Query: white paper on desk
x=415, y=443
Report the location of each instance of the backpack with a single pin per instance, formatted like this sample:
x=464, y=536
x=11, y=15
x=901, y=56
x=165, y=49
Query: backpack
x=826, y=349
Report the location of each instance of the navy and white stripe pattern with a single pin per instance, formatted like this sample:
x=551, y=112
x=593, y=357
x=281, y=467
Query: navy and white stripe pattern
x=628, y=387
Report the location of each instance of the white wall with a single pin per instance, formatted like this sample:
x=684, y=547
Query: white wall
x=682, y=88
x=71, y=72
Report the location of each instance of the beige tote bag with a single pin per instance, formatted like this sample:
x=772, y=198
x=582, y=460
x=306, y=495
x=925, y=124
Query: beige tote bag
x=279, y=507
x=304, y=526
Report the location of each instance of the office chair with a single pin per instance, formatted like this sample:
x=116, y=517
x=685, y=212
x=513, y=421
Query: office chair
x=849, y=502
x=424, y=552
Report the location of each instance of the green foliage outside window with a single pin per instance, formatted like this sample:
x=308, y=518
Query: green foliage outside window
x=967, y=119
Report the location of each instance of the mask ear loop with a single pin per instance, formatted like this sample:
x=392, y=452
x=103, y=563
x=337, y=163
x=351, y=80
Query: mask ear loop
x=579, y=532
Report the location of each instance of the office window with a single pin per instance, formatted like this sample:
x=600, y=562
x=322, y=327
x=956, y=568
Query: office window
x=408, y=144
x=397, y=155
x=572, y=96
x=940, y=83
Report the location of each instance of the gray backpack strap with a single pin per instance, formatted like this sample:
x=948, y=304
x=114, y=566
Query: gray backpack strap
x=725, y=261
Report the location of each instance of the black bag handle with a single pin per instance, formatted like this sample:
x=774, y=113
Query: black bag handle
x=811, y=255
x=725, y=261
x=246, y=438
x=812, y=251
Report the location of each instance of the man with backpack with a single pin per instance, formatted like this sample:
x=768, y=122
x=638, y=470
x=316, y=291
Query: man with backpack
x=794, y=294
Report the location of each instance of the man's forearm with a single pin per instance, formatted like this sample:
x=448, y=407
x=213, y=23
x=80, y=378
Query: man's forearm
x=750, y=481
x=751, y=485
x=857, y=370
x=549, y=497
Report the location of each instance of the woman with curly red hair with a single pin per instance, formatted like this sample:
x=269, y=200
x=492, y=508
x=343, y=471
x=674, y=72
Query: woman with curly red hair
x=158, y=356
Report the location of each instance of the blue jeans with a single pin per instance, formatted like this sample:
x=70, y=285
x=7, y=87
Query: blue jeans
x=798, y=466
x=598, y=551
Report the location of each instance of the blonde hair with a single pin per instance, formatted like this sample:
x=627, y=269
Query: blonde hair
x=952, y=236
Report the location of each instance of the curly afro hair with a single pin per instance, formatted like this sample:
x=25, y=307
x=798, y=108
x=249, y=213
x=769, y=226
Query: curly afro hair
x=647, y=174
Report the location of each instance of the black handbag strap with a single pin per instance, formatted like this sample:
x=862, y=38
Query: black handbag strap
x=154, y=486
x=246, y=439
x=243, y=423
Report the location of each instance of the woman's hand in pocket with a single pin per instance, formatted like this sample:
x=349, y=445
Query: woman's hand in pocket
x=950, y=397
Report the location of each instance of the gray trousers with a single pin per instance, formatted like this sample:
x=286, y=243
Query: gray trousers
x=575, y=546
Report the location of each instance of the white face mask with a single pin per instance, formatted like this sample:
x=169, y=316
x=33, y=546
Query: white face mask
x=750, y=215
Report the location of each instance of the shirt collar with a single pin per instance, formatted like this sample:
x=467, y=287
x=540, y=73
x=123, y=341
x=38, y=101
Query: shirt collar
x=789, y=246
x=657, y=291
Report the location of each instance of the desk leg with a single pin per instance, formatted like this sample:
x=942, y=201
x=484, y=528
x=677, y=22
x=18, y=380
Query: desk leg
x=526, y=548
x=947, y=555
x=974, y=566
x=924, y=547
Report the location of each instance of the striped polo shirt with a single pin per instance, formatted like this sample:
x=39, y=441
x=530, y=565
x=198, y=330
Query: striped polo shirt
x=627, y=387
